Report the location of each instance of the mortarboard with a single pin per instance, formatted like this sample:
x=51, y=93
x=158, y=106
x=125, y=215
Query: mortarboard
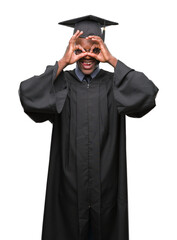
x=90, y=25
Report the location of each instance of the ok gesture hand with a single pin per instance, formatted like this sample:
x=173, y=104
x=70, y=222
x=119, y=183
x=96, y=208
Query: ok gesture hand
x=104, y=54
x=70, y=57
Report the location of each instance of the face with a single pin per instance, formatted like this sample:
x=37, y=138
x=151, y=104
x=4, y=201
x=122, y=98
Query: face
x=87, y=64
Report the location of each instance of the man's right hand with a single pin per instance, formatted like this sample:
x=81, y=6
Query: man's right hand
x=70, y=57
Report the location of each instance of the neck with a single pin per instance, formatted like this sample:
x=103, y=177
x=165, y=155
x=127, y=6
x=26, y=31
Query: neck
x=81, y=75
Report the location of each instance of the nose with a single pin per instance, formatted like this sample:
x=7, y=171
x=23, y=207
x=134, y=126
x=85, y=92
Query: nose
x=87, y=50
x=87, y=57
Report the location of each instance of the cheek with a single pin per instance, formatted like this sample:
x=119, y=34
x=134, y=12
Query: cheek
x=96, y=63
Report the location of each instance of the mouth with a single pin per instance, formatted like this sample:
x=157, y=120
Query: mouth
x=87, y=64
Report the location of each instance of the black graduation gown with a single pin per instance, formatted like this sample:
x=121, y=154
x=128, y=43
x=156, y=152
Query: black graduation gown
x=87, y=176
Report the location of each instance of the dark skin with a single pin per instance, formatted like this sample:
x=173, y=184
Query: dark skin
x=87, y=52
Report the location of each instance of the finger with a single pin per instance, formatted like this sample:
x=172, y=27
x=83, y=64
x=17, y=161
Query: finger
x=77, y=34
x=95, y=38
x=74, y=37
x=79, y=47
x=93, y=55
x=81, y=56
x=93, y=47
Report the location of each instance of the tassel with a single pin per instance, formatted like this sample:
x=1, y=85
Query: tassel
x=103, y=35
x=104, y=28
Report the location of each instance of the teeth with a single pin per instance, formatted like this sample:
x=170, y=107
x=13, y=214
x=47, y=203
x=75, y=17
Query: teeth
x=87, y=63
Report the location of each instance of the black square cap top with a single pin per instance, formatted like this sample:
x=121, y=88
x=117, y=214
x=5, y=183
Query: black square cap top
x=103, y=22
x=90, y=25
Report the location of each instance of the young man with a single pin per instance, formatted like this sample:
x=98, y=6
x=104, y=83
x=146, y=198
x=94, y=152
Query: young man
x=87, y=179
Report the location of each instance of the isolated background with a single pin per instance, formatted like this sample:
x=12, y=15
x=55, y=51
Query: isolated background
x=145, y=40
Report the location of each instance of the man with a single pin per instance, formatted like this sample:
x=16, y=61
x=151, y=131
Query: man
x=86, y=193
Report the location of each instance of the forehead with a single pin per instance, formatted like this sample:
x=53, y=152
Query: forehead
x=85, y=43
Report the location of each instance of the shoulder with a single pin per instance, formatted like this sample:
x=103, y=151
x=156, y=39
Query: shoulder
x=70, y=76
x=105, y=74
x=63, y=79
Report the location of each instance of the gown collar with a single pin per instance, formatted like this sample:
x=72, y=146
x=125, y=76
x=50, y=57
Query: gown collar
x=80, y=74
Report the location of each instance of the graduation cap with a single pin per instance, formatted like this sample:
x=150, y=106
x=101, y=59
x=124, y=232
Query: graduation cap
x=90, y=25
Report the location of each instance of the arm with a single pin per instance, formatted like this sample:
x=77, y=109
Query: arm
x=134, y=93
x=40, y=97
x=70, y=57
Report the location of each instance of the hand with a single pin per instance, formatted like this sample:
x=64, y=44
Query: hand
x=70, y=57
x=104, y=55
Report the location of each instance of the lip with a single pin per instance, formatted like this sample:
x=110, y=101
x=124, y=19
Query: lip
x=87, y=64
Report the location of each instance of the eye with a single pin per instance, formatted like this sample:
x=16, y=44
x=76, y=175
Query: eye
x=78, y=51
x=96, y=50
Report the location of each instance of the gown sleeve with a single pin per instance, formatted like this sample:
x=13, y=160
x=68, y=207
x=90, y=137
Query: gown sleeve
x=39, y=96
x=134, y=93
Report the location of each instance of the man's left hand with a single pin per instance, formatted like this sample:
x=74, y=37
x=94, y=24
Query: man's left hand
x=104, y=55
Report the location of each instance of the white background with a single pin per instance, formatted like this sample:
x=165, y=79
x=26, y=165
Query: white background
x=145, y=40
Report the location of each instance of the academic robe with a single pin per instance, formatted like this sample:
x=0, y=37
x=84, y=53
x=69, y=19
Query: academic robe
x=87, y=175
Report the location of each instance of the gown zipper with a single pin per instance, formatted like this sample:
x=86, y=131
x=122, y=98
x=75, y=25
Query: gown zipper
x=89, y=204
